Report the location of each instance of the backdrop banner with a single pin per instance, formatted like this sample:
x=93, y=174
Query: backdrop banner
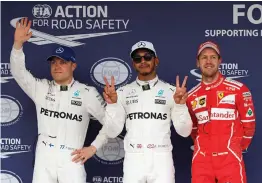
x=102, y=34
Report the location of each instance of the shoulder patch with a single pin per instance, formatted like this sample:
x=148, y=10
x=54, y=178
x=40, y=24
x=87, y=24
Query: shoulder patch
x=233, y=82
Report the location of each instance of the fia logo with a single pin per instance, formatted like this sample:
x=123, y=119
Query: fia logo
x=42, y=11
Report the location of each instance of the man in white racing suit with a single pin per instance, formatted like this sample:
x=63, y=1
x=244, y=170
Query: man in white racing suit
x=63, y=109
x=147, y=106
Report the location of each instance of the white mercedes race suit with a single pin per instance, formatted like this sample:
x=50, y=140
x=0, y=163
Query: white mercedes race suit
x=147, y=109
x=63, y=118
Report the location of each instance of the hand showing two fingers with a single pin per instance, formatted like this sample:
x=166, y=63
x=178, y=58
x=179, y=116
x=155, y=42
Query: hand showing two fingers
x=181, y=94
x=109, y=93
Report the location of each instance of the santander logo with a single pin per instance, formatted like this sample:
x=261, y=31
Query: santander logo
x=226, y=116
x=216, y=114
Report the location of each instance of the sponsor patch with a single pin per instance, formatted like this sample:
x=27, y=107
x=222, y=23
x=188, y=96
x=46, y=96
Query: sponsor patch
x=202, y=101
x=199, y=102
x=50, y=98
x=202, y=117
x=194, y=104
x=220, y=95
x=159, y=101
x=228, y=99
x=222, y=114
x=246, y=94
x=249, y=112
x=74, y=102
x=134, y=101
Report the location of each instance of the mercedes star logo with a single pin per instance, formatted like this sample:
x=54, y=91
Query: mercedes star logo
x=141, y=44
x=59, y=50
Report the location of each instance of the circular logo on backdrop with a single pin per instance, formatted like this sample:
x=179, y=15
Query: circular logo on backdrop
x=9, y=177
x=108, y=67
x=111, y=153
x=11, y=110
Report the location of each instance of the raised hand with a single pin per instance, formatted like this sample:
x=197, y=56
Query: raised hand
x=180, y=95
x=22, y=33
x=109, y=93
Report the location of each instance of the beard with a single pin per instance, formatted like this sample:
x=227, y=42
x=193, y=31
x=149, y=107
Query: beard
x=209, y=74
x=148, y=72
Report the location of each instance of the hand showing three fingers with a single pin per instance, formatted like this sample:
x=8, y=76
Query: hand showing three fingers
x=109, y=93
x=180, y=95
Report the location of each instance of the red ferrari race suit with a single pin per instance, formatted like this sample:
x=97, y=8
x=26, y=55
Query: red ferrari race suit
x=223, y=125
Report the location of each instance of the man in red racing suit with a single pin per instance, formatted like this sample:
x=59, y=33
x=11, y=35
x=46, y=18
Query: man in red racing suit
x=223, y=118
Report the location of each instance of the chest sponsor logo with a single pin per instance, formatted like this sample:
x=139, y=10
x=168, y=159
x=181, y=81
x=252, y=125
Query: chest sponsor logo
x=76, y=94
x=202, y=117
x=194, y=104
x=160, y=93
x=50, y=98
x=224, y=98
x=50, y=95
x=216, y=114
x=146, y=115
x=75, y=102
x=202, y=101
x=220, y=95
x=134, y=101
x=159, y=101
x=132, y=94
x=199, y=102
x=222, y=114
x=62, y=115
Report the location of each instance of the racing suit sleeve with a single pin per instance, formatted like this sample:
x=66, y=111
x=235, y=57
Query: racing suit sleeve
x=181, y=119
x=115, y=116
x=246, y=112
x=96, y=107
x=23, y=77
x=194, y=121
